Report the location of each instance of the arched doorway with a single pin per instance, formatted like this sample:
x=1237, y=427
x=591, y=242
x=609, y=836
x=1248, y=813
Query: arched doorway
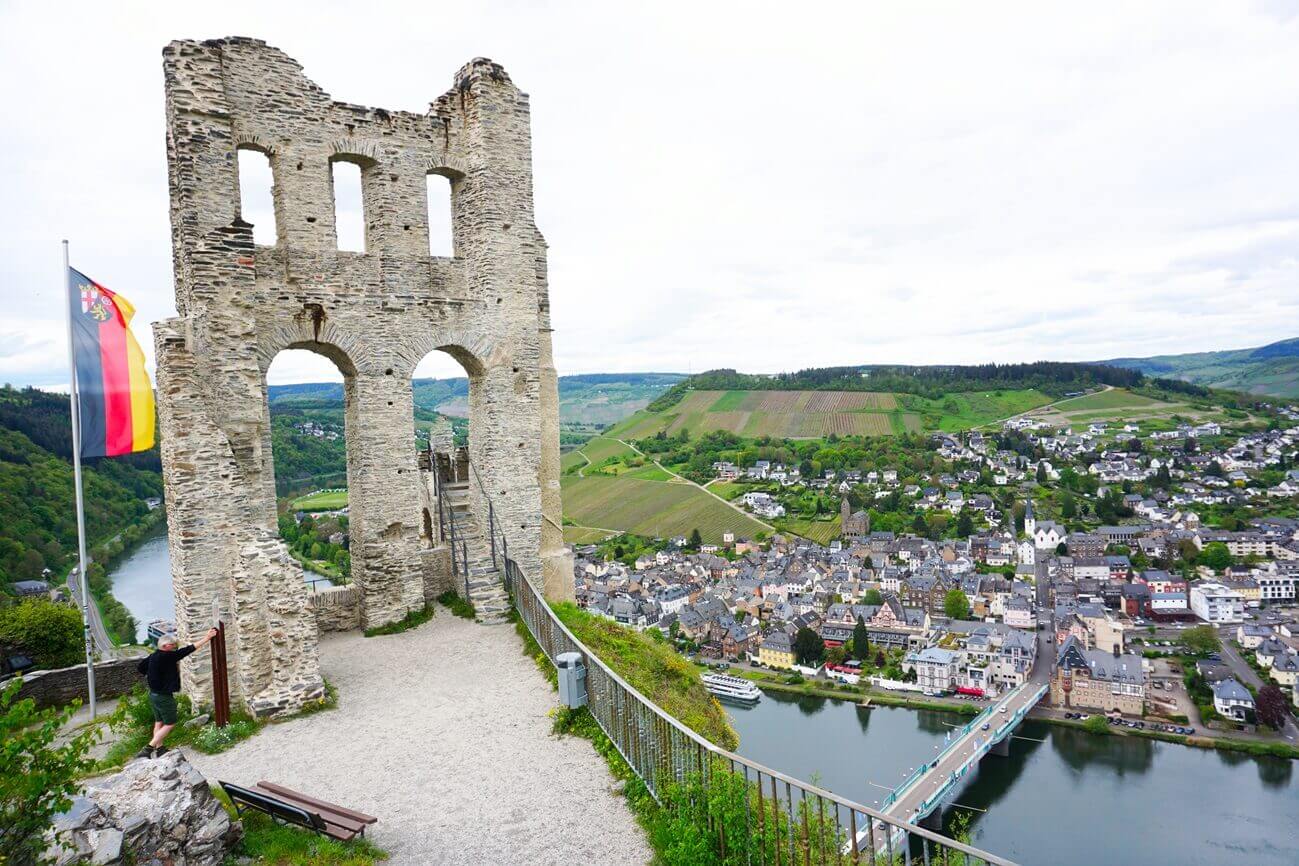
x=308, y=462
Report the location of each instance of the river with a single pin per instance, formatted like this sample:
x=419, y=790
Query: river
x=1072, y=799
x=142, y=582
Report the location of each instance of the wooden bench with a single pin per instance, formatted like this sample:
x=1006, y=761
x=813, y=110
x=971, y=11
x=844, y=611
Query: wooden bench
x=288, y=806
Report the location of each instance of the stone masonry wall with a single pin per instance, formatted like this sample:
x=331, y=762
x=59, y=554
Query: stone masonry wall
x=61, y=686
x=337, y=608
x=374, y=314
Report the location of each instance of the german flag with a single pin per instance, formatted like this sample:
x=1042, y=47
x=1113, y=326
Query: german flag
x=114, y=395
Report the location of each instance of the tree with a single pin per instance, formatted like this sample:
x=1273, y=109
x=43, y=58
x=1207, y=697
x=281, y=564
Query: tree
x=1270, y=706
x=835, y=655
x=861, y=646
x=1041, y=473
x=919, y=526
x=964, y=525
x=1201, y=640
x=1068, y=507
x=879, y=658
x=695, y=538
x=1097, y=725
x=37, y=778
x=1215, y=556
x=956, y=605
x=49, y=632
x=872, y=596
x=809, y=649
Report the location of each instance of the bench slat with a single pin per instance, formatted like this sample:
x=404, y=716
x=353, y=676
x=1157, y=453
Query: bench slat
x=281, y=791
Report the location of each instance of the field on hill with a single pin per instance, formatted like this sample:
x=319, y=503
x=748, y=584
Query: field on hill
x=817, y=414
x=321, y=500
x=653, y=508
x=1122, y=406
x=779, y=414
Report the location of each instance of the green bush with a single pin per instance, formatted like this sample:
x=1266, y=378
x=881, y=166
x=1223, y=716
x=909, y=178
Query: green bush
x=49, y=632
x=1097, y=725
x=37, y=777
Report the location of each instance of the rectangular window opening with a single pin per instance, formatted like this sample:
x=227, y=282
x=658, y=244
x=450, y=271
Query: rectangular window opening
x=349, y=207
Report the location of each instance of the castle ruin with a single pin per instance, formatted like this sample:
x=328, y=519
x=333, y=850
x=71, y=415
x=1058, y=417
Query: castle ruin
x=375, y=314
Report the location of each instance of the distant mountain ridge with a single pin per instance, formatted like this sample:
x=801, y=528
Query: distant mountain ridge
x=593, y=398
x=1271, y=370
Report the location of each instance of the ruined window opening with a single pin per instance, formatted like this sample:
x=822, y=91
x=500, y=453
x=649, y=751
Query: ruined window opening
x=349, y=206
x=440, y=242
x=256, y=195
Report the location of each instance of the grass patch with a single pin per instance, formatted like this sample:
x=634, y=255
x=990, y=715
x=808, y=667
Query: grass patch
x=269, y=844
x=461, y=607
x=414, y=618
x=321, y=500
x=132, y=720
x=655, y=670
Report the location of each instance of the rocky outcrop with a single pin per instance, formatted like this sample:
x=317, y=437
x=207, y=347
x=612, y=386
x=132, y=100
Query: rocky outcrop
x=151, y=813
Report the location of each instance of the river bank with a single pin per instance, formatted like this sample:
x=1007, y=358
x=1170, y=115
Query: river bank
x=1157, y=802
x=890, y=699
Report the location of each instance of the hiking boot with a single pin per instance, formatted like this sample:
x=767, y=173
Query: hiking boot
x=160, y=751
x=146, y=752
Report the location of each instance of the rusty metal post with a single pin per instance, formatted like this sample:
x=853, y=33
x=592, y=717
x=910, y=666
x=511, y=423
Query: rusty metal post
x=220, y=679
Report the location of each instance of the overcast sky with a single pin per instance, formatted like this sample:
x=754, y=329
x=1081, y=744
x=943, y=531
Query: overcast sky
x=746, y=185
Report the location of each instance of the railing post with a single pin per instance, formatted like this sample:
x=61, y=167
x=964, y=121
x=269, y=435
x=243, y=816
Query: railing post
x=491, y=530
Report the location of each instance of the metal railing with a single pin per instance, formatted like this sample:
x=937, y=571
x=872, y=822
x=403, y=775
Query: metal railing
x=785, y=820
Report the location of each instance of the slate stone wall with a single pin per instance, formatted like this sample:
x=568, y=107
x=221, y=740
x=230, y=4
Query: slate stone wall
x=375, y=314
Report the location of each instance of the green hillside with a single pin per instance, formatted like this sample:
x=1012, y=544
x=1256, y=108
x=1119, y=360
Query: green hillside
x=1271, y=370
x=38, y=526
x=814, y=414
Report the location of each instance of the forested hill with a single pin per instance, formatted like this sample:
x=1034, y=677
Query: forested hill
x=38, y=527
x=1049, y=377
x=1271, y=370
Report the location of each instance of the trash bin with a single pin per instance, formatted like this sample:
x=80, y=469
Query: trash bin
x=572, y=680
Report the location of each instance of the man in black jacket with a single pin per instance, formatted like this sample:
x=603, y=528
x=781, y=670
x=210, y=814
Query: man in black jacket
x=162, y=667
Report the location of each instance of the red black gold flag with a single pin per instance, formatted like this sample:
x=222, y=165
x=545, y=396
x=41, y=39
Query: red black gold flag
x=113, y=389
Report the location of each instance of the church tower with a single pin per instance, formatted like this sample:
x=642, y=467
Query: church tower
x=1030, y=522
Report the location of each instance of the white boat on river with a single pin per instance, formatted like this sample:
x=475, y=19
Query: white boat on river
x=731, y=688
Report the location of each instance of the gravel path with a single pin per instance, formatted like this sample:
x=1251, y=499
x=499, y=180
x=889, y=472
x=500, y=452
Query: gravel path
x=443, y=733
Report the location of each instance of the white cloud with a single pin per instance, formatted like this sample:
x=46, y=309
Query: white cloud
x=758, y=186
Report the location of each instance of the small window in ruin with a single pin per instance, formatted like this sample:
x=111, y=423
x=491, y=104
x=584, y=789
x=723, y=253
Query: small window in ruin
x=349, y=208
x=439, y=216
x=256, y=202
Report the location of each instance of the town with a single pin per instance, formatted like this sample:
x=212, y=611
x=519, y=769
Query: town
x=1150, y=560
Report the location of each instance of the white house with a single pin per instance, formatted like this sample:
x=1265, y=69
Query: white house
x=1233, y=701
x=1215, y=603
x=935, y=669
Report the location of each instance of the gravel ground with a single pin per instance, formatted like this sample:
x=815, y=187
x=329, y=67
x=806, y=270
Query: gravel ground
x=442, y=732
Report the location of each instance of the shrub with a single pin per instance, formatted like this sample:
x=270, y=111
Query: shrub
x=37, y=778
x=1097, y=725
x=50, y=632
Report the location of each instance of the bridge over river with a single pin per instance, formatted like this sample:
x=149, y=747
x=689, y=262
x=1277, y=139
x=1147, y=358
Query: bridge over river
x=921, y=795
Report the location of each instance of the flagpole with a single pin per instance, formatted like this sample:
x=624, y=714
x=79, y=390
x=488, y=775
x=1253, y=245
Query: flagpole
x=76, y=476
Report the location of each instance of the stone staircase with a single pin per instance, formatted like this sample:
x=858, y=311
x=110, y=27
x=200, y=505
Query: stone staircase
x=486, y=586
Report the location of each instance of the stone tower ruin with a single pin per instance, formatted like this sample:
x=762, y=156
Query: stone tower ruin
x=375, y=314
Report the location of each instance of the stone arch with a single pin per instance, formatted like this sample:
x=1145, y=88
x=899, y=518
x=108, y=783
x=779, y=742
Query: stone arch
x=374, y=314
